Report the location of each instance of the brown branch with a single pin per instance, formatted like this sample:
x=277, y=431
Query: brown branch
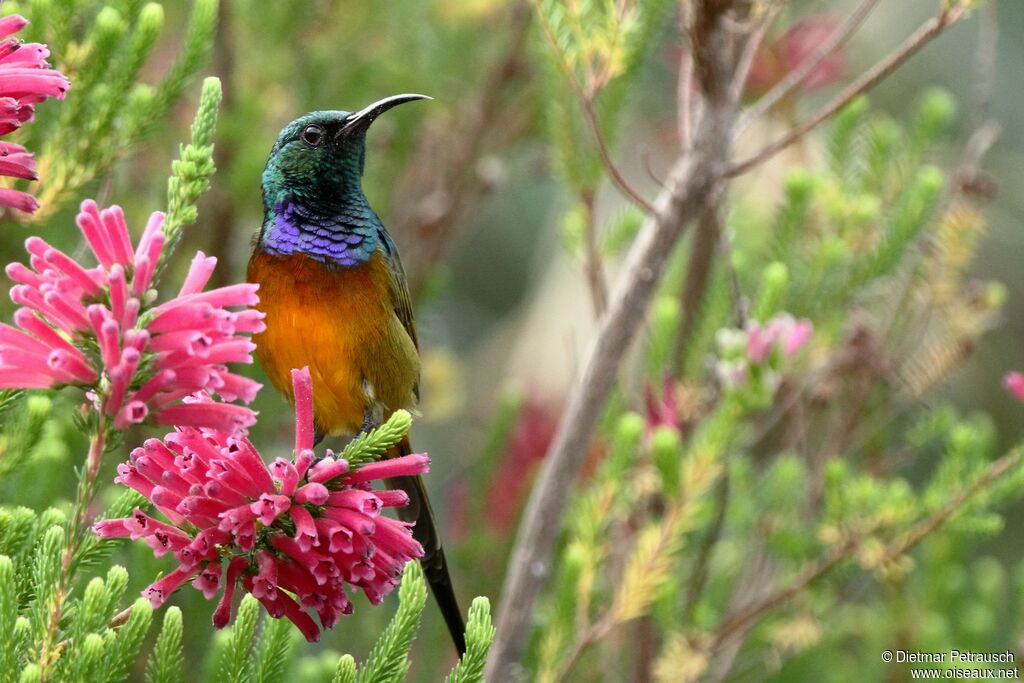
x=685, y=100
x=921, y=37
x=750, y=49
x=797, y=76
x=614, y=173
x=695, y=181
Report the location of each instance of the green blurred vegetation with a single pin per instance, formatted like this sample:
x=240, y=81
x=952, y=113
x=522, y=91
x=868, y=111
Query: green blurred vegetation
x=489, y=191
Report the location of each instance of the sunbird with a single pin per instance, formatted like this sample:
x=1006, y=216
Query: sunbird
x=336, y=299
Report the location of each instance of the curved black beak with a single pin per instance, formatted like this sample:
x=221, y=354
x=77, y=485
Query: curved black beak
x=361, y=120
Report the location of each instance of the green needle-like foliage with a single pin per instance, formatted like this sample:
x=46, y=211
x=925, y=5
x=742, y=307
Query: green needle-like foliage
x=479, y=635
x=236, y=665
x=274, y=650
x=166, y=664
x=103, y=48
x=124, y=644
x=389, y=658
x=8, y=617
x=346, y=671
x=190, y=174
x=373, y=444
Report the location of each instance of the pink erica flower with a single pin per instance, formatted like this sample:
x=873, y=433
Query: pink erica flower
x=25, y=80
x=777, y=58
x=1014, y=383
x=96, y=328
x=532, y=434
x=663, y=410
x=299, y=534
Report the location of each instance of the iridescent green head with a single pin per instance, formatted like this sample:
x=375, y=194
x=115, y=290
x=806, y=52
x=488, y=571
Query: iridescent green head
x=313, y=199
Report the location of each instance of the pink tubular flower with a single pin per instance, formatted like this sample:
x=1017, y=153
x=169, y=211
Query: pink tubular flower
x=1014, y=383
x=25, y=80
x=93, y=327
x=294, y=533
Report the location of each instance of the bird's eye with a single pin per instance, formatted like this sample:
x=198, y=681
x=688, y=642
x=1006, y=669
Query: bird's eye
x=312, y=135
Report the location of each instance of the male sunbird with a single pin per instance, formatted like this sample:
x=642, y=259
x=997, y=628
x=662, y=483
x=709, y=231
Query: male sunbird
x=336, y=299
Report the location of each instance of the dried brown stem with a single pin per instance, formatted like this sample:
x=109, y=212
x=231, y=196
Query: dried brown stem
x=797, y=76
x=948, y=16
x=694, y=183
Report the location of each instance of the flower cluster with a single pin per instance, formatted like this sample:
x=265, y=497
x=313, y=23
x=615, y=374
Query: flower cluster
x=25, y=80
x=1014, y=383
x=750, y=358
x=94, y=327
x=301, y=527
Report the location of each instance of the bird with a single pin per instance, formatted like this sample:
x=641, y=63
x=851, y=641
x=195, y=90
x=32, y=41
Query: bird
x=336, y=299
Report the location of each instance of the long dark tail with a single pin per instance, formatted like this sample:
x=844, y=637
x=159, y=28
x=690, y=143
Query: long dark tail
x=435, y=568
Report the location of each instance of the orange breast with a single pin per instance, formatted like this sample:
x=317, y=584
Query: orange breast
x=339, y=322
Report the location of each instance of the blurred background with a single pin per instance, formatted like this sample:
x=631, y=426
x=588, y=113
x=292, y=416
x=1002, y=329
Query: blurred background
x=468, y=187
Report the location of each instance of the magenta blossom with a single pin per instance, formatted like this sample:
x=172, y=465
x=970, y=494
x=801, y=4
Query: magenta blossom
x=294, y=534
x=784, y=332
x=96, y=328
x=663, y=410
x=1014, y=383
x=25, y=80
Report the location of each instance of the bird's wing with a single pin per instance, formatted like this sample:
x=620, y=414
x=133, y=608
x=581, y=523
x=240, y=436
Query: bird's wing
x=399, y=291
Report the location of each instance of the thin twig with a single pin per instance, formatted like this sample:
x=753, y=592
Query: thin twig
x=586, y=99
x=695, y=181
x=609, y=164
x=797, y=76
x=750, y=49
x=592, y=263
x=921, y=37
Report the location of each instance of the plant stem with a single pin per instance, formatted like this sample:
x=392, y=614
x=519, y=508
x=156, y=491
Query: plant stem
x=50, y=649
x=694, y=183
x=921, y=37
x=799, y=74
